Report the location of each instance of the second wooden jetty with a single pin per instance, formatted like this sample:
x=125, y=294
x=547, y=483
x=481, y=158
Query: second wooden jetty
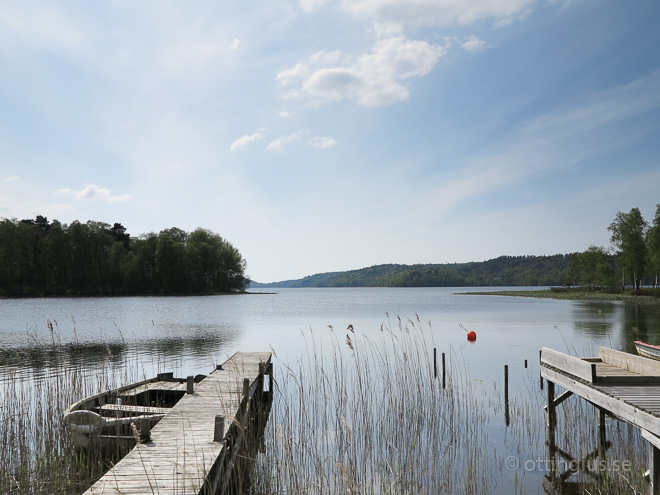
x=619, y=385
x=199, y=446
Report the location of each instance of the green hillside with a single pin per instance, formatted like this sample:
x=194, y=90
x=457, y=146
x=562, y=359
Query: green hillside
x=502, y=271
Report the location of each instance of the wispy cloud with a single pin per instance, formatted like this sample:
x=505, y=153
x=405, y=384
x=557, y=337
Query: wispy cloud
x=10, y=178
x=245, y=141
x=323, y=142
x=473, y=44
x=553, y=143
x=94, y=193
x=280, y=143
x=437, y=12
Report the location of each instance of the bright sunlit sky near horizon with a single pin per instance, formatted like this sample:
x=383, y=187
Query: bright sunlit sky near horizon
x=328, y=135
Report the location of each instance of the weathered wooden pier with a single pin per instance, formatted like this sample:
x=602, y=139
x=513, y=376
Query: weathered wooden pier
x=618, y=384
x=203, y=443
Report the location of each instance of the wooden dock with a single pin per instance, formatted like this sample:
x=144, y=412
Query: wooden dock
x=199, y=447
x=618, y=384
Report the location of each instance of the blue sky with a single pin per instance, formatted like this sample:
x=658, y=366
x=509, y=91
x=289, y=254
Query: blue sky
x=328, y=135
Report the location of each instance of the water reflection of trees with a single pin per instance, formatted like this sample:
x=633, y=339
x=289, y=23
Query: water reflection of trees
x=623, y=323
x=40, y=356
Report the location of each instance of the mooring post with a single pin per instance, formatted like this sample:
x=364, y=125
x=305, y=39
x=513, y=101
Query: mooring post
x=550, y=431
x=552, y=414
x=190, y=384
x=435, y=363
x=654, y=469
x=540, y=375
x=443, y=370
x=507, y=419
x=525, y=363
x=219, y=430
x=602, y=435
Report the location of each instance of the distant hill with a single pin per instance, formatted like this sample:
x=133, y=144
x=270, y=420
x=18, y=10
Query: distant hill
x=502, y=271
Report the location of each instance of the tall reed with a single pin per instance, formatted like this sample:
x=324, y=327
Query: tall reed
x=362, y=413
x=36, y=456
x=368, y=417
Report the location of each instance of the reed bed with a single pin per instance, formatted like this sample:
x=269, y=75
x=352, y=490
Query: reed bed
x=368, y=417
x=363, y=413
x=36, y=457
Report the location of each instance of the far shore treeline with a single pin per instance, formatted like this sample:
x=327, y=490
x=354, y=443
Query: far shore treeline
x=39, y=258
x=632, y=261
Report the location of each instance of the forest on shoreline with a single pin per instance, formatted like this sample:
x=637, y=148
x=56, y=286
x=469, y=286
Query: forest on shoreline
x=41, y=258
x=502, y=271
x=633, y=260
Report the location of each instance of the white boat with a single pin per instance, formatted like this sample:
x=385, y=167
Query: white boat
x=647, y=350
x=123, y=416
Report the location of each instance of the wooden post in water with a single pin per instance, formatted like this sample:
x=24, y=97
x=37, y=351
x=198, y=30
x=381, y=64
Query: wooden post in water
x=507, y=418
x=552, y=414
x=525, y=363
x=435, y=363
x=443, y=370
x=540, y=375
x=654, y=469
x=190, y=385
x=602, y=436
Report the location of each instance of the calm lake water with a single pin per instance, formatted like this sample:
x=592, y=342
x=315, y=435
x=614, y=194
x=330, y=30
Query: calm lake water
x=189, y=334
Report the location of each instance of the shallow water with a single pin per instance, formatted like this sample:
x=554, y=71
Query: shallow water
x=189, y=335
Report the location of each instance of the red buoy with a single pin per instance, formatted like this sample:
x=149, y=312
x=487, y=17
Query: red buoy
x=471, y=336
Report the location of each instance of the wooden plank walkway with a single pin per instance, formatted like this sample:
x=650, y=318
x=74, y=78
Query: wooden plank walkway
x=617, y=383
x=182, y=451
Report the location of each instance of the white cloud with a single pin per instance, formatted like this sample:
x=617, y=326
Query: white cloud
x=437, y=12
x=373, y=79
x=474, y=44
x=285, y=114
x=94, y=193
x=245, y=141
x=292, y=76
x=279, y=143
x=10, y=178
x=323, y=142
x=235, y=44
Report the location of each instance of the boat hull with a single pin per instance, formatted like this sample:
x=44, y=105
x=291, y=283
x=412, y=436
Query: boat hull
x=648, y=350
x=117, y=419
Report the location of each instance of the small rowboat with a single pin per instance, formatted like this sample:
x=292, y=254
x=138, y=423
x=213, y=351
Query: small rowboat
x=647, y=350
x=119, y=418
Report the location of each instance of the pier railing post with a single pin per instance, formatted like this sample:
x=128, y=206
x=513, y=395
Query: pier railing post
x=262, y=371
x=219, y=430
x=190, y=384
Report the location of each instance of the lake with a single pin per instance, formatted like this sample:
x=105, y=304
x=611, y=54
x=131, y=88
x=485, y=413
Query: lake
x=188, y=335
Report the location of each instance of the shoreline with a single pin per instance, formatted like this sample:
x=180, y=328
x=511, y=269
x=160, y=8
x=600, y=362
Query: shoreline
x=574, y=295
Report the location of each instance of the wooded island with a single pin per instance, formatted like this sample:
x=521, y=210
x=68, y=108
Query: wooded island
x=39, y=258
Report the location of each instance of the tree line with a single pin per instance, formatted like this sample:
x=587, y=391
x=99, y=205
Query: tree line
x=38, y=257
x=502, y=271
x=632, y=260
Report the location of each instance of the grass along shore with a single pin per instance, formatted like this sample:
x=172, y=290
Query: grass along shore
x=650, y=297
